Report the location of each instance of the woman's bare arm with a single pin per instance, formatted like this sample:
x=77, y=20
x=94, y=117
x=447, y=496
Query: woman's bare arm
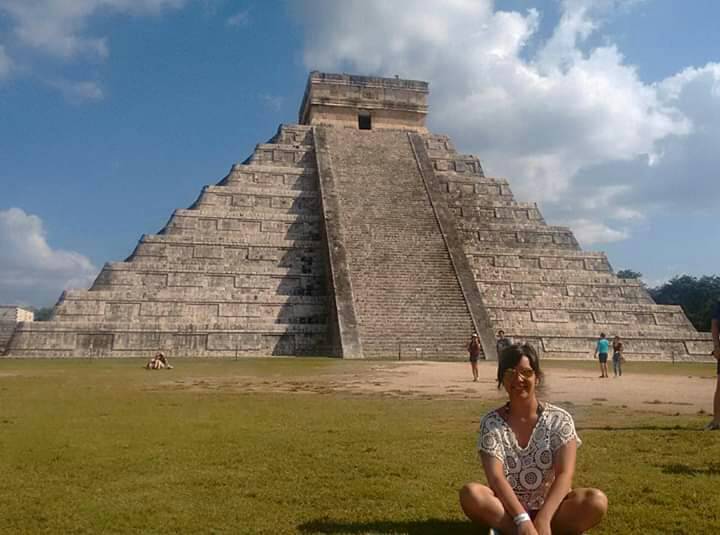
x=499, y=484
x=564, y=468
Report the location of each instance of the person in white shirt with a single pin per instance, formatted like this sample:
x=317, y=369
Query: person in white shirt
x=528, y=451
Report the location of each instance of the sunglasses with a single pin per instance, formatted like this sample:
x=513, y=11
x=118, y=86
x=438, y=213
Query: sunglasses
x=525, y=373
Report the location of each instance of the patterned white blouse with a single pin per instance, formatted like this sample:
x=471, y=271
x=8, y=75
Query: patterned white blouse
x=529, y=470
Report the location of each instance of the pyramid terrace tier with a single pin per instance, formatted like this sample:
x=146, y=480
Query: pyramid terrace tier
x=160, y=273
x=461, y=164
x=618, y=291
x=269, y=154
x=188, y=281
x=445, y=158
x=508, y=213
x=258, y=199
x=680, y=346
x=489, y=255
x=472, y=191
x=271, y=177
x=550, y=276
x=91, y=339
x=587, y=312
x=516, y=235
x=201, y=307
x=237, y=224
x=255, y=258
x=258, y=247
x=590, y=322
x=293, y=134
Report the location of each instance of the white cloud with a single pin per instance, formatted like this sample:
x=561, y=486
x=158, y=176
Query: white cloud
x=58, y=27
x=79, y=91
x=32, y=270
x=592, y=233
x=6, y=63
x=273, y=102
x=239, y=19
x=569, y=123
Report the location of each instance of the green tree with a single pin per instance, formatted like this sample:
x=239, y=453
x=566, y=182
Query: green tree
x=43, y=314
x=696, y=295
x=629, y=274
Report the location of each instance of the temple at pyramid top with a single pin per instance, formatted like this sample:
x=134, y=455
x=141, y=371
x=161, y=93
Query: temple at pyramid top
x=364, y=102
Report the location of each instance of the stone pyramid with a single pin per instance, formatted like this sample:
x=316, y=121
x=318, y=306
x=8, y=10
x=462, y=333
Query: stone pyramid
x=357, y=233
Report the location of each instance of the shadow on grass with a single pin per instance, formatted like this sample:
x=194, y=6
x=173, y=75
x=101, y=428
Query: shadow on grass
x=431, y=526
x=712, y=469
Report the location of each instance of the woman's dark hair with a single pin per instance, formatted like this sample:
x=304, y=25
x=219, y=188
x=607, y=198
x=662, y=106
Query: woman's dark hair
x=511, y=355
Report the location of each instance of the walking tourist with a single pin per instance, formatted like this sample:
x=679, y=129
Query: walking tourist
x=474, y=349
x=502, y=342
x=715, y=330
x=528, y=450
x=618, y=357
x=601, y=352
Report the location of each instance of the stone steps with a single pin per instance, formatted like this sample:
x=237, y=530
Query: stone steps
x=397, y=259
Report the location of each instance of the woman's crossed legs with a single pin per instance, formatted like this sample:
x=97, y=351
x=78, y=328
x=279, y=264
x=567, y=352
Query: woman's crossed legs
x=580, y=510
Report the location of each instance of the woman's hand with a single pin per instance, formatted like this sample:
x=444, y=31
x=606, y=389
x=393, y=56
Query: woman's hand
x=527, y=528
x=542, y=526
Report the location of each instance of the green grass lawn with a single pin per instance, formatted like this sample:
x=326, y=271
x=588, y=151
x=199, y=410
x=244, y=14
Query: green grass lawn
x=104, y=446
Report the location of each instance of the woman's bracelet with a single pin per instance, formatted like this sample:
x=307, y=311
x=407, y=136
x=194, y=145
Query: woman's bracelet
x=522, y=517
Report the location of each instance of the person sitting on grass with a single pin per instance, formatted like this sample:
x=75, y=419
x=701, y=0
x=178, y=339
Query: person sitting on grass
x=158, y=362
x=528, y=450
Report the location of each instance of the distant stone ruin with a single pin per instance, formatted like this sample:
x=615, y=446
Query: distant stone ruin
x=357, y=233
x=10, y=316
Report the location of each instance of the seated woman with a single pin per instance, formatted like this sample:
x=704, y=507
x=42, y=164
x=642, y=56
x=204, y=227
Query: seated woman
x=528, y=452
x=158, y=362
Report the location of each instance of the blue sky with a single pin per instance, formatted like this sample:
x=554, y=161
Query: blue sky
x=115, y=112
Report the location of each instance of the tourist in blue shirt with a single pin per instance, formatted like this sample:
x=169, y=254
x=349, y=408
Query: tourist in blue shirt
x=715, y=331
x=601, y=352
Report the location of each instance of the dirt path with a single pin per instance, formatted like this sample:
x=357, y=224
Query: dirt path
x=666, y=394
